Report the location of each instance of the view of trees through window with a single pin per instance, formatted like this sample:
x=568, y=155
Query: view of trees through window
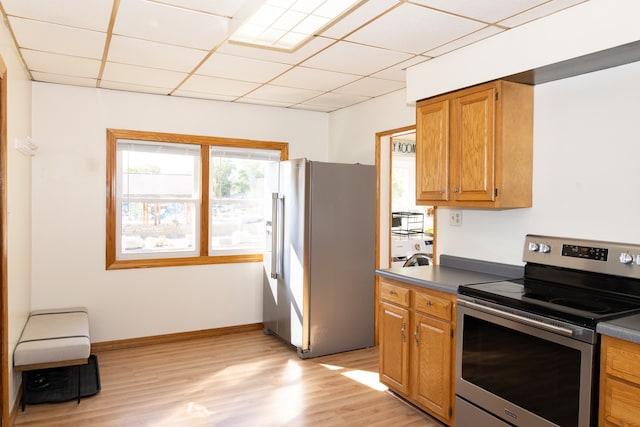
x=238, y=198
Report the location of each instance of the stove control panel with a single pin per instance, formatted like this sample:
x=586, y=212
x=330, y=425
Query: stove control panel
x=620, y=259
x=587, y=252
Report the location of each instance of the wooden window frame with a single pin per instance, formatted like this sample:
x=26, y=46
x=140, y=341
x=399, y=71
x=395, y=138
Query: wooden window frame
x=113, y=135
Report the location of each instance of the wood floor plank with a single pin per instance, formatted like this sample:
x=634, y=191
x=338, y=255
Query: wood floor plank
x=243, y=379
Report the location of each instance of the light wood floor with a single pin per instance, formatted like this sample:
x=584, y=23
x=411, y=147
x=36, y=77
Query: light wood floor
x=244, y=379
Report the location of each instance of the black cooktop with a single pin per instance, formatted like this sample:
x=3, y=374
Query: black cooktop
x=577, y=305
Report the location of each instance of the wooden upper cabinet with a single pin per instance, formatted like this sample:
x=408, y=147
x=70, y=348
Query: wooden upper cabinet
x=432, y=153
x=472, y=155
x=474, y=147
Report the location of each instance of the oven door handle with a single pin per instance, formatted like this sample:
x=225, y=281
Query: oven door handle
x=517, y=318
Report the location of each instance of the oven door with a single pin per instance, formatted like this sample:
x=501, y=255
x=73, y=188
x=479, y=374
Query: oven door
x=521, y=372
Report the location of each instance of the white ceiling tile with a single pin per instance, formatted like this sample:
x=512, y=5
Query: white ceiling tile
x=302, y=77
x=56, y=38
x=263, y=102
x=314, y=45
x=422, y=29
x=61, y=64
x=217, y=86
x=282, y=94
x=128, y=50
x=240, y=68
x=203, y=95
x=352, y=58
x=168, y=24
x=144, y=76
x=464, y=41
x=217, y=7
x=318, y=108
x=370, y=87
x=64, y=80
x=364, y=13
x=88, y=14
x=179, y=47
x=539, y=12
x=398, y=71
x=336, y=100
x=106, y=84
x=489, y=11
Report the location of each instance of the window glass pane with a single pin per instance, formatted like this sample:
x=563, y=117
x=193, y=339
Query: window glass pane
x=158, y=196
x=239, y=199
x=156, y=227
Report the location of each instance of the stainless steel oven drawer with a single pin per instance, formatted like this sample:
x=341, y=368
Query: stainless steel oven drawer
x=468, y=415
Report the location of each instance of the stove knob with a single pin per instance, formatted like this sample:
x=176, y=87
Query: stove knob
x=625, y=258
x=544, y=248
x=533, y=247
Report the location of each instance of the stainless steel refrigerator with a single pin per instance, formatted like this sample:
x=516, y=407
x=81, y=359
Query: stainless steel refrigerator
x=318, y=292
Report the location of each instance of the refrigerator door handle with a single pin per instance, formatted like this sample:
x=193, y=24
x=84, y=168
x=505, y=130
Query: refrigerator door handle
x=276, y=234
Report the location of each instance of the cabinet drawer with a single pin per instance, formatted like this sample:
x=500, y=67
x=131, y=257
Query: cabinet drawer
x=394, y=293
x=622, y=359
x=433, y=305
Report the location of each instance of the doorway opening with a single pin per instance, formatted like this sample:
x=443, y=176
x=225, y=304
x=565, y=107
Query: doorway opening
x=412, y=226
x=404, y=228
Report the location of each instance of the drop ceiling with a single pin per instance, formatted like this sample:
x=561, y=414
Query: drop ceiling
x=181, y=47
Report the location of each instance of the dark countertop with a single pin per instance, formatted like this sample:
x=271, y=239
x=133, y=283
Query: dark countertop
x=451, y=273
x=626, y=328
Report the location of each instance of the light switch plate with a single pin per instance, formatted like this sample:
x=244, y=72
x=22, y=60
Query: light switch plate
x=455, y=218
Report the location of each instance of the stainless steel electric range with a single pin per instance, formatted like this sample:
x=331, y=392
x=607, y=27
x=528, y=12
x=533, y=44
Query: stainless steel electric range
x=527, y=350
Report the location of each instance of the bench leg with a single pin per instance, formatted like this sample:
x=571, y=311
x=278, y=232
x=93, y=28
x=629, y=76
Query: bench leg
x=79, y=382
x=24, y=390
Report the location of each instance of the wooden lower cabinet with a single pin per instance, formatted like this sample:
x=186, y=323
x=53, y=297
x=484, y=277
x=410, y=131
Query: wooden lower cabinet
x=394, y=347
x=417, y=346
x=619, y=383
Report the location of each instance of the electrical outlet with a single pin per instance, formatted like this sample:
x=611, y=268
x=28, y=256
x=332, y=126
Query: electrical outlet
x=455, y=218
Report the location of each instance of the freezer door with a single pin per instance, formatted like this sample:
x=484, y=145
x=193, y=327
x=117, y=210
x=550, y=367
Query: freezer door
x=273, y=233
x=284, y=310
x=294, y=187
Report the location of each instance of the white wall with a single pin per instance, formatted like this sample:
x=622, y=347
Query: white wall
x=69, y=178
x=352, y=133
x=18, y=200
x=586, y=169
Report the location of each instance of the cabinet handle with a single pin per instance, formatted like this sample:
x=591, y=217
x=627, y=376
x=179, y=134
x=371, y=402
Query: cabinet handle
x=392, y=292
x=429, y=303
x=415, y=335
x=441, y=191
x=404, y=326
x=455, y=189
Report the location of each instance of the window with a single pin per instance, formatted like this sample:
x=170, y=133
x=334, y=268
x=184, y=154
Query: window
x=239, y=194
x=185, y=200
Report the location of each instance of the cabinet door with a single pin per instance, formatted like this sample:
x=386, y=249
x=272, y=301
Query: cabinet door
x=472, y=146
x=621, y=403
x=393, y=326
x=432, y=151
x=619, y=383
x=432, y=364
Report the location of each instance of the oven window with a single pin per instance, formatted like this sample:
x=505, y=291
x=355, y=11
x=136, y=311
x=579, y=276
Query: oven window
x=540, y=376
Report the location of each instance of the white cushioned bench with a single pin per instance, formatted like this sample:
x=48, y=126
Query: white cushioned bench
x=53, y=338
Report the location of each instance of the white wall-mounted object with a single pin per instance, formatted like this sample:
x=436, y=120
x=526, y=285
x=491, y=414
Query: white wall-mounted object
x=25, y=146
